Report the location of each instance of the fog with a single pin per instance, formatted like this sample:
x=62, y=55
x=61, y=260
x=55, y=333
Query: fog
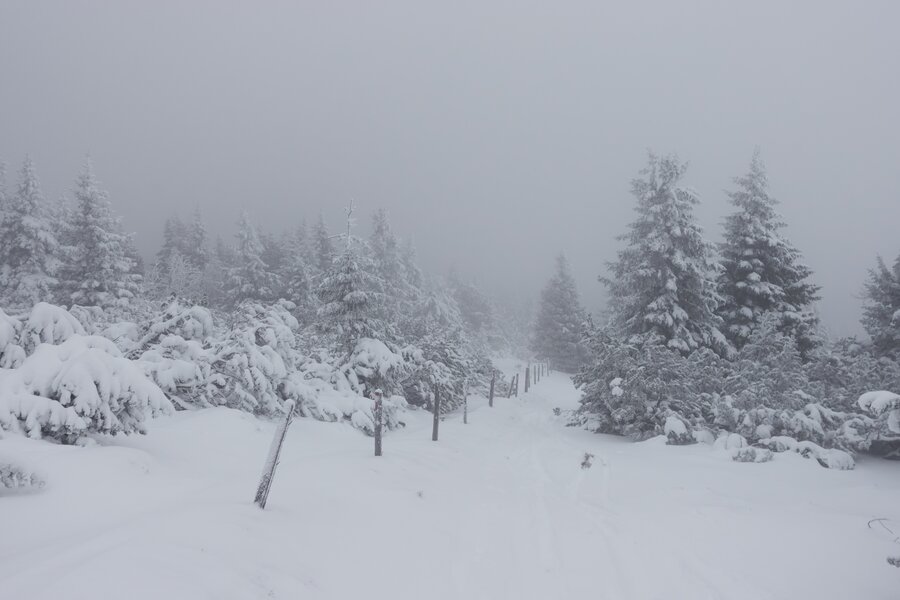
x=496, y=136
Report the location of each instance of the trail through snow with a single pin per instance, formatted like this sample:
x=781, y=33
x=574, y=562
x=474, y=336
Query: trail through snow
x=499, y=508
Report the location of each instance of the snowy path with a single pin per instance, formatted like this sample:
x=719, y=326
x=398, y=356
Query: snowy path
x=499, y=508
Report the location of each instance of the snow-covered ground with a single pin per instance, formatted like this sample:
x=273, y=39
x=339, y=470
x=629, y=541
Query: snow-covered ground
x=499, y=508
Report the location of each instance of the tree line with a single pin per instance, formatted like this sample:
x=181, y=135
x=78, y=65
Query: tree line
x=720, y=338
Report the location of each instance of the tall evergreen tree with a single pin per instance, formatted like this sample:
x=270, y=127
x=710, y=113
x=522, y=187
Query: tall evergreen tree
x=881, y=313
x=350, y=297
x=295, y=272
x=196, y=240
x=322, y=247
x=560, y=321
x=174, y=234
x=762, y=273
x=386, y=252
x=249, y=277
x=662, y=287
x=28, y=245
x=97, y=268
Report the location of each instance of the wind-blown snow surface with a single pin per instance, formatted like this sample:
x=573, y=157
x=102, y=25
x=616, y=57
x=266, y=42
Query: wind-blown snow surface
x=499, y=508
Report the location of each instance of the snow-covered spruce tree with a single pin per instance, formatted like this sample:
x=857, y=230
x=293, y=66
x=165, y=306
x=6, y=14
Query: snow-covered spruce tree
x=295, y=273
x=28, y=245
x=196, y=240
x=253, y=363
x=762, y=272
x=351, y=297
x=179, y=278
x=632, y=389
x=441, y=356
x=249, y=278
x=174, y=233
x=322, y=248
x=386, y=253
x=560, y=321
x=662, y=287
x=881, y=313
x=97, y=269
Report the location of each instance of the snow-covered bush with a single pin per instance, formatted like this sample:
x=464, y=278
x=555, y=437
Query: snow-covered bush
x=11, y=353
x=750, y=454
x=80, y=386
x=16, y=478
x=373, y=365
x=884, y=407
x=48, y=324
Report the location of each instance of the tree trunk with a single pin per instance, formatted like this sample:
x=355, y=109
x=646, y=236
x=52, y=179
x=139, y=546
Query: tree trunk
x=265, y=483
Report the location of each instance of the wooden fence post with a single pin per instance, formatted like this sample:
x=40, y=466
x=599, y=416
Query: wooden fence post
x=491, y=394
x=517, y=385
x=527, y=378
x=437, y=416
x=378, y=420
x=466, y=401
x=265, y=483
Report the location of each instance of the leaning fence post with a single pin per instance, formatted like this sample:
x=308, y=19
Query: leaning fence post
x=437, y=416
x=379, y=413
x=265, y=483
x=491, y=394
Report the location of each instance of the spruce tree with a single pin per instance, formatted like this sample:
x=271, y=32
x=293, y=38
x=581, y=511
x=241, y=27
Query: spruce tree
x=195, y=245
x=762, y=273
x=350, y=297
x=386, y=252
x=662, y=287
x=560, y=321
x=322, y=247
x=28, y=245
x=295, y=272
x=249, y=277
x=881, y=312
x=97, y=268
x=174, y=233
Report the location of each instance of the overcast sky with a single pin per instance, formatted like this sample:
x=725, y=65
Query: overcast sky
x=496, y=133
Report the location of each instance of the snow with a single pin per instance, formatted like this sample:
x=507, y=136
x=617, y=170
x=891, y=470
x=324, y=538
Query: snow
x=499, y=508
x=879, y=402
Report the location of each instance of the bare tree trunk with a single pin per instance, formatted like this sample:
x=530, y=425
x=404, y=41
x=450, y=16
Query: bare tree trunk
x=491, y=394
x=437, y=416
x=379, y=414
x=265, y=483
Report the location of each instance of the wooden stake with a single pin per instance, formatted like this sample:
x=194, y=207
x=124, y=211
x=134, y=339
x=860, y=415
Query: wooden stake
x=265, y=483
x=466, y=402
x=491, y=394
x=437, y=416
x=378, y=420
x=527, y=378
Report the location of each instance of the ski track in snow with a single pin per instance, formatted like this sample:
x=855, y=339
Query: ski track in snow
x=499, y=508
